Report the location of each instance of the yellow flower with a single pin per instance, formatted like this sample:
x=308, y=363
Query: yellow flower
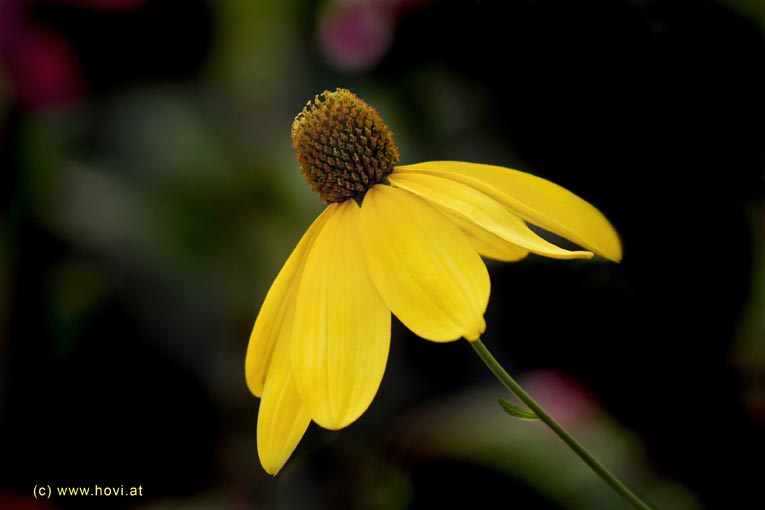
x=401, y=239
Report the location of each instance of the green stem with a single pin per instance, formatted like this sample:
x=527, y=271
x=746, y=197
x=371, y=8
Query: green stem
x=580, y=450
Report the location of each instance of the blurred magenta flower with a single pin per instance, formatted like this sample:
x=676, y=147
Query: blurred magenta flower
x=40, y=66
x=562, y=396
x=355, y=34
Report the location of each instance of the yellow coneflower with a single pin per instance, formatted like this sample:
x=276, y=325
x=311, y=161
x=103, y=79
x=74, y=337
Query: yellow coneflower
x=406, y=240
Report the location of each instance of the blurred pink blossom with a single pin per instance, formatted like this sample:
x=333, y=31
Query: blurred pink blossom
x=355, y=34
x=41, y=69
x=563, y=397
x=39, y=64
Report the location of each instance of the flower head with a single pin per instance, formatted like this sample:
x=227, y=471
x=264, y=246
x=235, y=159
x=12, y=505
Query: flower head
x=406, y=240
x=343, y=146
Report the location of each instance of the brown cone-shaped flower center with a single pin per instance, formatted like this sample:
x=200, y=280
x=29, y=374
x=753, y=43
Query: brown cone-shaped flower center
x=343, y=146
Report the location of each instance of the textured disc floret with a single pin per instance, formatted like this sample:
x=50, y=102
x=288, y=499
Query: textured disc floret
x=343, y=146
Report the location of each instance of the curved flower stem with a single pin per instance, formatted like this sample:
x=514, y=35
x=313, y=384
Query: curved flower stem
x=580, y=450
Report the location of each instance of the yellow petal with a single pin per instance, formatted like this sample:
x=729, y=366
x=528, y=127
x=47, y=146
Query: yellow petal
x=276, y=311
x=480, y=210
x=535, y=200
x=341, y=334
x=423, y=266
x=282, y=417
x=486, y=243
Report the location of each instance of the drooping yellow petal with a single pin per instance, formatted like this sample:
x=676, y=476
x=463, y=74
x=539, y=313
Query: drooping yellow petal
x=423, y=266
x=276, y=310
x=282, y=417
x=486, y=243
x=483, y=241
x=341, y=334
x=480, y=210
x=535, y=200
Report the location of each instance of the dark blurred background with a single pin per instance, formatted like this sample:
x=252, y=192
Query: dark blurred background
x=150, y=195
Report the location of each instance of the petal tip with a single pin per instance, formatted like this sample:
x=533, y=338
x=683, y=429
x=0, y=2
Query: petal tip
x=613, y=252
x=335, y=422
x=271, y=467
x=472, y=337
x=617, y=255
